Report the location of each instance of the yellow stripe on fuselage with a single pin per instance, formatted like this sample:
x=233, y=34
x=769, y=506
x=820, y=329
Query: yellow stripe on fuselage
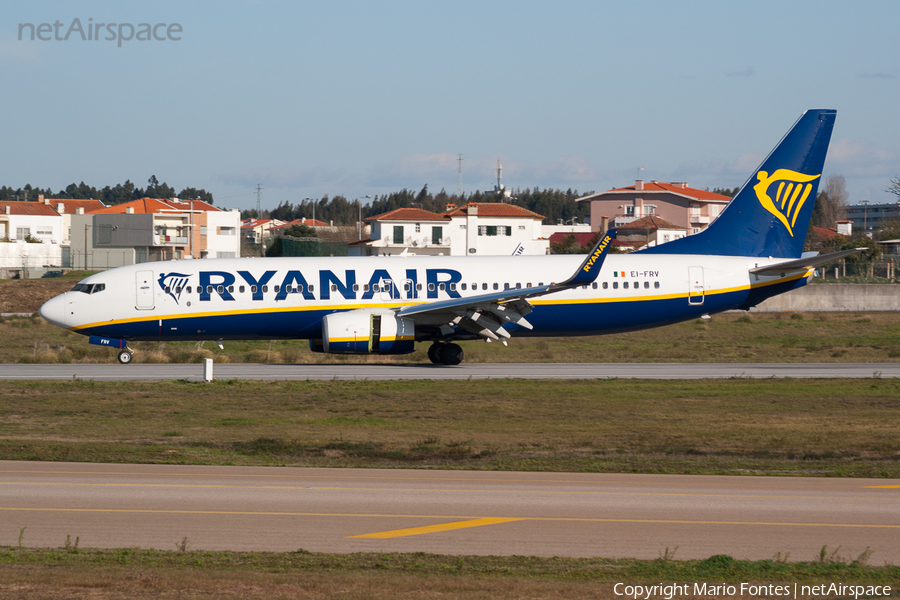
x=353, y=306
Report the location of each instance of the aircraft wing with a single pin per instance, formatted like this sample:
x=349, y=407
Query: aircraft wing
x=803, y=264
x=486, y=314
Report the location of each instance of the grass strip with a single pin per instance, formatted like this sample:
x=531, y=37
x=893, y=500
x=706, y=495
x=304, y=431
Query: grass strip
x=840, y=427
x=827, y=564
x=128, y=573
x=729, y=337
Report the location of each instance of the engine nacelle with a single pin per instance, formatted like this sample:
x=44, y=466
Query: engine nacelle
x=367, y=332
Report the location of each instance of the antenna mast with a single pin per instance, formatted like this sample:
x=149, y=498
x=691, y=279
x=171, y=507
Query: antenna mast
x=262, y=243
x=459, y=179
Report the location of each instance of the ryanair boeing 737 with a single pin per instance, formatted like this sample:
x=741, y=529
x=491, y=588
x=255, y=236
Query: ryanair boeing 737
x=384, y=305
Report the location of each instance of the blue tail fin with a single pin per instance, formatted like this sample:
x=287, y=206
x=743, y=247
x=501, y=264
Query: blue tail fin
x=769, y=216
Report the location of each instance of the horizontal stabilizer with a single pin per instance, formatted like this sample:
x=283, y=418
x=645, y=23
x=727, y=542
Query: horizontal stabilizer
x=803, y=264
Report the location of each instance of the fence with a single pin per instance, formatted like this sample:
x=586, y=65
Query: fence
x=844, y=271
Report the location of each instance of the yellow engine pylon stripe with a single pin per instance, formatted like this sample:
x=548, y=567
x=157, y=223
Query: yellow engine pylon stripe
x=432, y=528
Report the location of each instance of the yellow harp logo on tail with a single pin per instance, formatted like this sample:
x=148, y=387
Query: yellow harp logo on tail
x=791, y=193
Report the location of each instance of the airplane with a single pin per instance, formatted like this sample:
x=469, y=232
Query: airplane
x=385, y=305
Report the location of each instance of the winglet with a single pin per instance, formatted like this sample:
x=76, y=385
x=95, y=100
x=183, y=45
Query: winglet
x=590, y=268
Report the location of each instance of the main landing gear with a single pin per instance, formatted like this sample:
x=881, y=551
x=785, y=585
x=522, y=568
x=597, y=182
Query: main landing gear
x=445, y=354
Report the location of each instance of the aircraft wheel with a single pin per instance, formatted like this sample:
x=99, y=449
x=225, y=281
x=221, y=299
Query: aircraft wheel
x=451, y=354
x=434, y=353
x=125, y=357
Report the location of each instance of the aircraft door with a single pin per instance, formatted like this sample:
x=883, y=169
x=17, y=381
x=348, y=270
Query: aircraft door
x=143, y=282
x=387, y=290
x=695, y=286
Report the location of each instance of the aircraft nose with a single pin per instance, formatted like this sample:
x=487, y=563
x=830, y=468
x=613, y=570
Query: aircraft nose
x=54, y=311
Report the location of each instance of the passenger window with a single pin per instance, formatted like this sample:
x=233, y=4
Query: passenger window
x=430, y=287
x=529, y=284
x=496, y=286
x=177, y=290
x=637, y=285
x=442, y=287
x=605, y=285
x=253, y=289
x=419, y=286
x=615, y=285
x=355, y=287
x=168, y=290
x=209, y=289
x=462, y=286
x=277, y=288
x=519, y=286
x=220, y=289
x=646, y=285
x=624, y=285
x=265, y=289
x=311, y=287
x=365, y=287
x=484, y=286
x=241, y=289
x=300, y=289
x=505, y=286
x=594, y=285
x=656, y=284
x=333, y=287
x=230, y=288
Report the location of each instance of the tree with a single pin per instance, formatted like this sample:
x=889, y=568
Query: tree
x=894, y=188
x=831, y=202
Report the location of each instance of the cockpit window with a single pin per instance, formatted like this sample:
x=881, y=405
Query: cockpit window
x=89, y=288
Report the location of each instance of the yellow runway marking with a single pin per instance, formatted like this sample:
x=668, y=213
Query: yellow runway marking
x=466, y=517
x=882, y=486
x=432, y=528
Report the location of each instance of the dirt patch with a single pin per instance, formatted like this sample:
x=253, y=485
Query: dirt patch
x=27, y=295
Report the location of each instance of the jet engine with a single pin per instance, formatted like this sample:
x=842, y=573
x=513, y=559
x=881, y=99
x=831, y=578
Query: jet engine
x=367, y=332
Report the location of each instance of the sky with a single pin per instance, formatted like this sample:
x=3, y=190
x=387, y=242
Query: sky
x=363, y=98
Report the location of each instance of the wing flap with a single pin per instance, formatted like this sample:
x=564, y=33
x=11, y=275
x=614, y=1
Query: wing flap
x=487, y=314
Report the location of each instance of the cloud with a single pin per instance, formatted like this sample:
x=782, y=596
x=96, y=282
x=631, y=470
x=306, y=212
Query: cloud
x=481, y=172
x=745, y=71
x=280, y=176
x=860, y=158
x=727, y=173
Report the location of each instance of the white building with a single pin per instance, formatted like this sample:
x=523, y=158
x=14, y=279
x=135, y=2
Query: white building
x=30, y=237
x=474, y=229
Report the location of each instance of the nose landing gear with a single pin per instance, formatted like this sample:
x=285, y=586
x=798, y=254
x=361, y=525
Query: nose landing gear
x=126, y=356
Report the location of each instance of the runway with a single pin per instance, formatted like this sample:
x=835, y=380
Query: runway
x=372, y=372
x=448, y=512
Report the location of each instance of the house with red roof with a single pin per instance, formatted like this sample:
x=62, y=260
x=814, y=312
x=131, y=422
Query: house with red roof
x=483, y=229
x=675, y=202
x=150, y=229
x=649, y=231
